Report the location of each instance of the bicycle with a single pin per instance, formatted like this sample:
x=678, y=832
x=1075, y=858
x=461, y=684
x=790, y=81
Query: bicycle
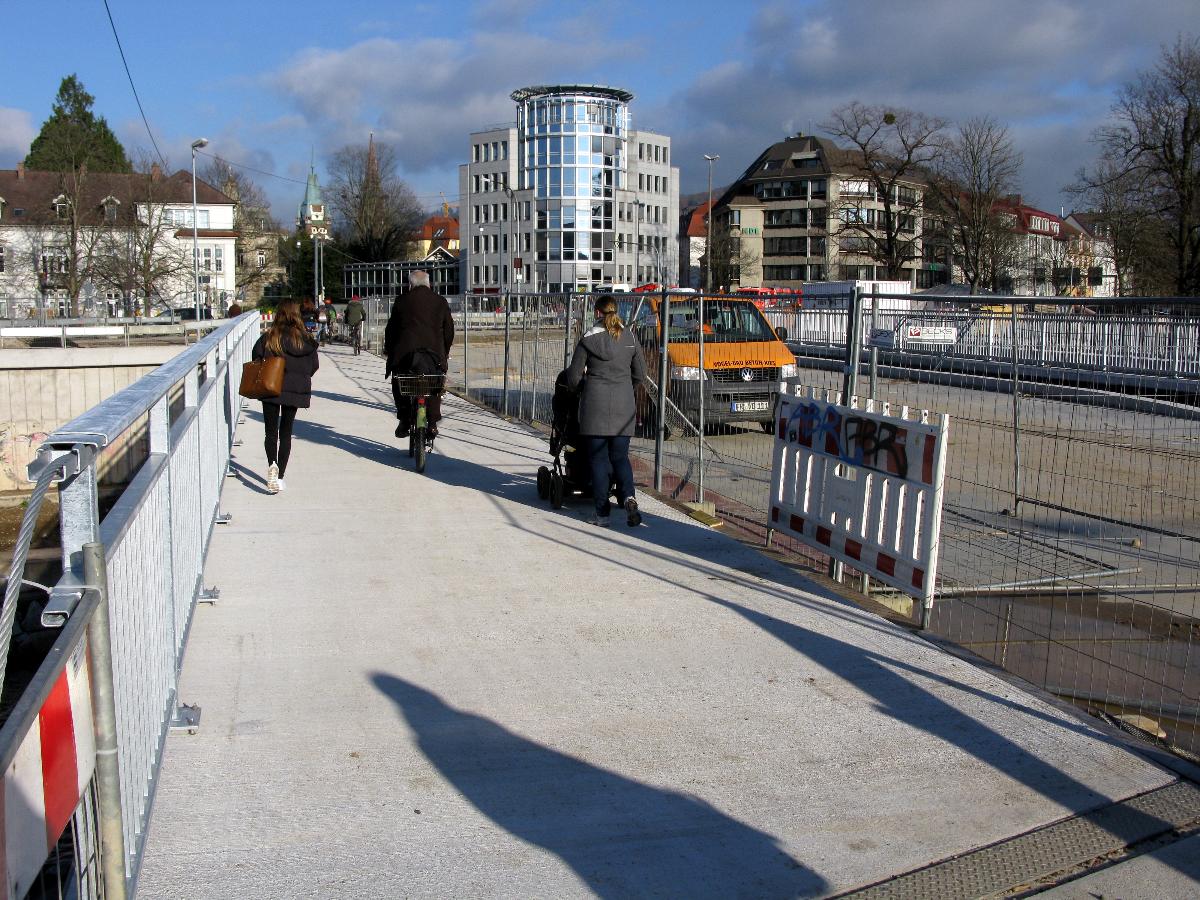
x=356, y=337
x=419, y=388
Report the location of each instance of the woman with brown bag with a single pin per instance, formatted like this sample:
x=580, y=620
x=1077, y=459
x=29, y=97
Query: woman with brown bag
x=288, y=338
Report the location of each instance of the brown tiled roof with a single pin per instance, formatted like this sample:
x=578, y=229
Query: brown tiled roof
x=447, y=224
x=696, y=226
x=35, y=191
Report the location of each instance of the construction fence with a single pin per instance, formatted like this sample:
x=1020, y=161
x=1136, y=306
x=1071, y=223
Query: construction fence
x=1070, y=536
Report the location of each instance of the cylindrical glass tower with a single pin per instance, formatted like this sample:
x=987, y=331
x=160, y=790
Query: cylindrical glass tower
x=572, y=145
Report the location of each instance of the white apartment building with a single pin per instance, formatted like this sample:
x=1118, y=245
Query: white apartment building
x=102, y=242
x=569, y=198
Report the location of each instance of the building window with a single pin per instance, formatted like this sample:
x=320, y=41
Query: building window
x=1, y=257
x=786, y=218
x=219, y=259
x=1095, y=273
x=262, y=259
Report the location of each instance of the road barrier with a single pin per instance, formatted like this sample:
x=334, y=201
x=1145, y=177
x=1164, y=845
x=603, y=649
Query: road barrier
x=862, y=485
x=131, y=580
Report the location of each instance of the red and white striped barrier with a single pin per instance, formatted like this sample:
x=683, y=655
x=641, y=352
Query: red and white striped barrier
x=862, y=485
x=47, y=777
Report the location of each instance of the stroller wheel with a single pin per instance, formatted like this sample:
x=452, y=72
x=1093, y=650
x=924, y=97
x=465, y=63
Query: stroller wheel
x=543, y=482
x=557, y=490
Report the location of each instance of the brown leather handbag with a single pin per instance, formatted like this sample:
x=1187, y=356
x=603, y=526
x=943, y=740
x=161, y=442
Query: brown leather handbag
x=262, y=379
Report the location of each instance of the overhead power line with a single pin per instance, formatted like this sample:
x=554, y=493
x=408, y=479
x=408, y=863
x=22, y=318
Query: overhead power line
x=440, y=195
x=132, y=86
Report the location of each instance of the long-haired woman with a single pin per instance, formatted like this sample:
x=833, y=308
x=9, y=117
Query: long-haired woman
x=287, y=337
x=609, y=363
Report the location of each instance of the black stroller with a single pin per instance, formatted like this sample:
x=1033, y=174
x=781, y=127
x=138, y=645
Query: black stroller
x=570, y=475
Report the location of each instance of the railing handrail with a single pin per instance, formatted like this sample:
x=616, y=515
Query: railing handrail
x=112, y=416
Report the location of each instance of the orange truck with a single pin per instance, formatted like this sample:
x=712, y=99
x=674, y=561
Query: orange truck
x=744, y=358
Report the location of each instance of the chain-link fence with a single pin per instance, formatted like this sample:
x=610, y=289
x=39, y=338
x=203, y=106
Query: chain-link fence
x=1070, y=540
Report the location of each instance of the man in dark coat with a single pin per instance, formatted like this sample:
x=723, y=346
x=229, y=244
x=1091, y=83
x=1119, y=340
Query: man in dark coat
x=419, y=334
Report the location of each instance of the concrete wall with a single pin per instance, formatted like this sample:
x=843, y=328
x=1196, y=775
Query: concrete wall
x=41, y=390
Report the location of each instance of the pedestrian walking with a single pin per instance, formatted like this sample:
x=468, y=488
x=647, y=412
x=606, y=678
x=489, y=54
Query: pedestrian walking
x=287, y=337
x=608, y=362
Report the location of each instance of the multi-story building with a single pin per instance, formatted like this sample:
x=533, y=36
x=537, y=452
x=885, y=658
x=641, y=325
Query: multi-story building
x=568, y=198
x=804, y=211
x=693, y=240
x=1046, y=255
x=100, y=243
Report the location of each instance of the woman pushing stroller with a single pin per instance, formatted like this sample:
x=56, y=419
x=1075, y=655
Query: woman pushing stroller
x=608, y=362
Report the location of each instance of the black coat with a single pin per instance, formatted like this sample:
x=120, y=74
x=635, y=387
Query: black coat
x=420, y=320
x=299, y=365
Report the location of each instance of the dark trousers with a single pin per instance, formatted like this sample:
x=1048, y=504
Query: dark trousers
x=278, y=419
x=404, y=407
x=609, y=456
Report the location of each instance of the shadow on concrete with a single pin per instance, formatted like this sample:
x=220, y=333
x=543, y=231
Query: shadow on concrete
x=250, y=478
x=621, y=837
x=357, y=401
x=364, y=448
x=892, y=683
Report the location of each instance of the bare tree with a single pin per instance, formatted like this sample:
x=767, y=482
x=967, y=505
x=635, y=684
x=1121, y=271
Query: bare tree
x=979, y=166
x=1155, y=139
x=376, y=214
x=257, y=230
x=137, y=251
x=733, y=262
x=63, y=237
x=878, y=209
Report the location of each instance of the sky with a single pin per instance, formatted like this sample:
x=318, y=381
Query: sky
x=276, y=86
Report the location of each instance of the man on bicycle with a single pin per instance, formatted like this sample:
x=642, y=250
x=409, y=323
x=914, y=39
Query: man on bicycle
x=353, y=317
x=419, y=334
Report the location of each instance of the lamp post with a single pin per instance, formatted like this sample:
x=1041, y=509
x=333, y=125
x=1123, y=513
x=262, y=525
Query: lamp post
x=700, y=332
x=708, y=219
x=637, y=244
x=196, y=145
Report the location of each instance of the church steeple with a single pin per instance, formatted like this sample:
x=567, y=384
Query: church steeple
x=312, y=210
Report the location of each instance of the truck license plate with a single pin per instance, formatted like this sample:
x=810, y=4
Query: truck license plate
x=751, y=406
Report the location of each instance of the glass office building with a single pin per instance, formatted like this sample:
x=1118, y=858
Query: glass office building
x=564, y=199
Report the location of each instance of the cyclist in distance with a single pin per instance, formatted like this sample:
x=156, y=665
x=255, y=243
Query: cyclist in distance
x=418, y=337
x=353, y=317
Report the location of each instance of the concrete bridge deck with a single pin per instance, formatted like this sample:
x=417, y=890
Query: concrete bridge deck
x=435, y=685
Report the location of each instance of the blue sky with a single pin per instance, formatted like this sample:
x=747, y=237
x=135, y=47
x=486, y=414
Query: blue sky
x=272, y=84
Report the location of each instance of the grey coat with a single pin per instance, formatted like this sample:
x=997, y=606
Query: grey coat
x=613, y=367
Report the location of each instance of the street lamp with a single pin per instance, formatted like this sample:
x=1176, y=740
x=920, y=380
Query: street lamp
x=196, y=145
x=637, y=243
x=708, y=255
x=708, y=238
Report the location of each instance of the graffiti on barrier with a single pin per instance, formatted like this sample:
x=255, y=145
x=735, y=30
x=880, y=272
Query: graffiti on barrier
x=857, y=440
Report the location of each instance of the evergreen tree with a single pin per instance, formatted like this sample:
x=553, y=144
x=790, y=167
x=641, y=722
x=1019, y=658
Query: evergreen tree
x=73, y=137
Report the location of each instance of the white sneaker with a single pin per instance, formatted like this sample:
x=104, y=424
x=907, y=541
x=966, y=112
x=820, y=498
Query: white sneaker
x=599, y=520
x=279, y=485
x=273, y=485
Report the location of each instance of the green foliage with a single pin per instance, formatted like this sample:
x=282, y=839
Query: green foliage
x=73, y=137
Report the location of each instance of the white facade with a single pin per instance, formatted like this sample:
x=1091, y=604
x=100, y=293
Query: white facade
x=569, y=197
x=38, y=245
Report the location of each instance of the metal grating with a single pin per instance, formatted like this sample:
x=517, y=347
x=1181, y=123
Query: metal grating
x=1055, y=848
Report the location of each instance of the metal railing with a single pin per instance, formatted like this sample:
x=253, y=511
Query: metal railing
x=1070, y=549
x=136, y=567
x=1117, y=343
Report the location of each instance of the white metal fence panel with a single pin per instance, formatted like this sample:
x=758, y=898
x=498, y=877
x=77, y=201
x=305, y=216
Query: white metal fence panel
x=143, y=641
x=862, y=485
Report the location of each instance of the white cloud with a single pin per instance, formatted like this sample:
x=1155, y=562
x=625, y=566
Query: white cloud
x=1045, y=68
x=424, y=97
x=16, y=134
